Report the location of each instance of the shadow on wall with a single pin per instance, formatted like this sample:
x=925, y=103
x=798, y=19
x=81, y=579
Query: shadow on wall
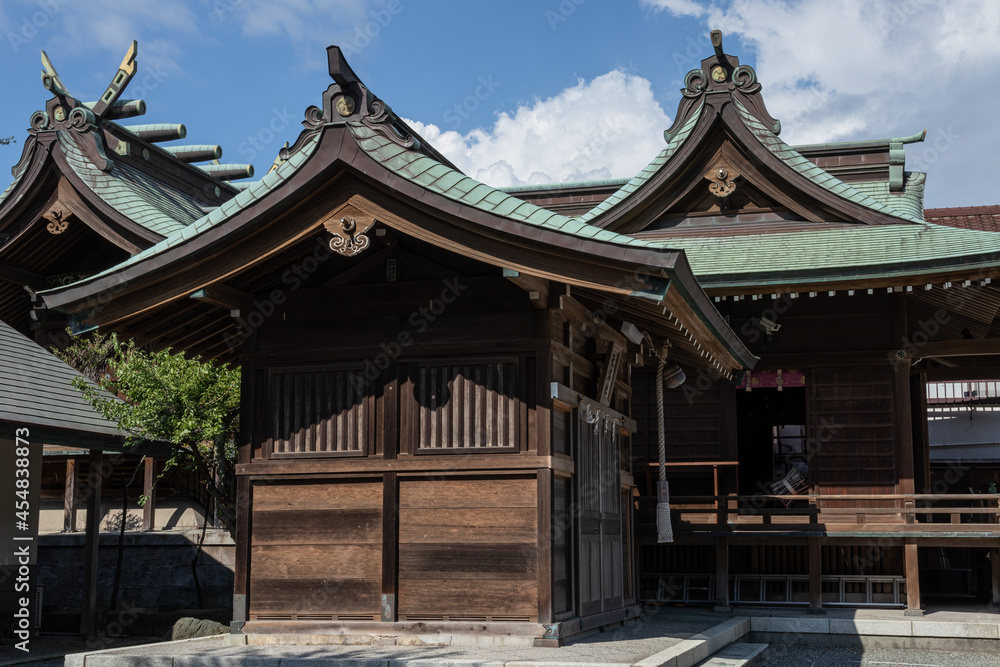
x=164, y=576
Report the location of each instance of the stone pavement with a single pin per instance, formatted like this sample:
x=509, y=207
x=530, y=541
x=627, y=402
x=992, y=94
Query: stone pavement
x=663, y=639
x=667, y=637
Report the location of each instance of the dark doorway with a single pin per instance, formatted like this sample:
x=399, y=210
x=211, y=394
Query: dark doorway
x=771, y=438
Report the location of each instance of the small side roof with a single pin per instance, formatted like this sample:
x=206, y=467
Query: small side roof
x=38, y=395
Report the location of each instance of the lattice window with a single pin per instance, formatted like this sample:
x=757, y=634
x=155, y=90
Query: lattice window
x=467, y=406
x=323, y=412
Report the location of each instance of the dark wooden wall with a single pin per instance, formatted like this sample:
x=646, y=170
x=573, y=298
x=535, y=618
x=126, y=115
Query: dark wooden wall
x=316, y=550
x=852, y=430
x=468, y=548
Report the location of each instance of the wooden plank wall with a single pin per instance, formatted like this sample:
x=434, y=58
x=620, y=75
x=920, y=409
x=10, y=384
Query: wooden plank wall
x=851, y=422
x=468, y=548
x=694, y=423
x=692, y=418
x=316, y=550
x=463, y=405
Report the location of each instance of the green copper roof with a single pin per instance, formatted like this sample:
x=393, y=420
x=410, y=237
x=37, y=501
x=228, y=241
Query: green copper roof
x=139, y=197
x=618, y=182
x=866, y=143
x=436, y=177
x=910, y=201
x=816, y=174
x=635, y=183
x=271, y=180
x=10, y=187
x=823, y=255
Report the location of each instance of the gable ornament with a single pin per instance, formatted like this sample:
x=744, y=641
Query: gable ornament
x=349, y=234
x=58, y=220
x=722, y=180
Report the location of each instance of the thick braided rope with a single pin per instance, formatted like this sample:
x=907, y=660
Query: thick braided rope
x=659, y=410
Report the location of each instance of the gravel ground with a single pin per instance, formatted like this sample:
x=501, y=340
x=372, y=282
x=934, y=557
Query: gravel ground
x=787, y=655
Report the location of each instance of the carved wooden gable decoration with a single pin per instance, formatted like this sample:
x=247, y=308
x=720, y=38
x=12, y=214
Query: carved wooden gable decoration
x=725, y=166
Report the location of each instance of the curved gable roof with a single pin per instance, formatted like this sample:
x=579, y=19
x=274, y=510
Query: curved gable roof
x=376, y=147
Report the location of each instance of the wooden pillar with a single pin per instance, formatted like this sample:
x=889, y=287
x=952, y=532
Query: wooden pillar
x=241, y=570
x=88, y=605
x=913, y=605
x=390, y=547
x=815, y=576
x=722, y=574
x=545, y=611
x=995, y=571
x=252, y=411
x=148, y=490
x=69, y=497
x=901, y=399
x=920, y=419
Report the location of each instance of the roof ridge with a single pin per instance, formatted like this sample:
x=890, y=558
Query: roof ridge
x=810, y=170
x=863, y=143
x=430, y=174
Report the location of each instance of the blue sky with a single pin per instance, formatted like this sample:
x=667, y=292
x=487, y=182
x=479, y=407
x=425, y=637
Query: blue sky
x=521, y=92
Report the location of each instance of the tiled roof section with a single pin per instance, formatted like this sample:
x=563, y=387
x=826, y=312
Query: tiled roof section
x=910, y=201
x=808, y=169
x=430, y=174
x=218, y=215
x=983, y=218
x=38, y=390
x=10, y=187
x=136, y=195
x=635, y=183
x=854, y=251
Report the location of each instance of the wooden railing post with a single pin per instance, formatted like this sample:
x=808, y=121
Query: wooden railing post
x=722, y=574
x=908, y=515
x=913, y=605
x=815, y=576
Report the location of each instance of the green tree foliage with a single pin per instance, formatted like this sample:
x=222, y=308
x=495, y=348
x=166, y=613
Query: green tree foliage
x=191, y=404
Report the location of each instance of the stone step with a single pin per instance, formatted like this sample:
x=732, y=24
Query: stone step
x=739, y=654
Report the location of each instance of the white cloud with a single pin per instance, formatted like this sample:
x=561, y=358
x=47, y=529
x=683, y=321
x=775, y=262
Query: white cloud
x=309, y=26
x=610, y=127
x=680, y=7
x=872, y=69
